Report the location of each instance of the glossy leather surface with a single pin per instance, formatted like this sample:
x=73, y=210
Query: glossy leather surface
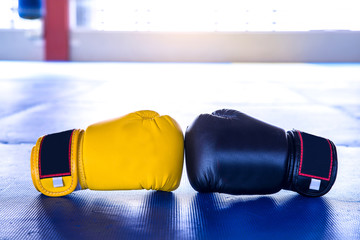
x=230, y=152
x=141, y=150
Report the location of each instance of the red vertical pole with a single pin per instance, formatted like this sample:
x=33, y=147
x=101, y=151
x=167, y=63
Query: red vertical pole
x=57, y=30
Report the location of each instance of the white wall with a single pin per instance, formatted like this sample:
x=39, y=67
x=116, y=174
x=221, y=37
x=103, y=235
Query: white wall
x=313, y=46
x=21, y=45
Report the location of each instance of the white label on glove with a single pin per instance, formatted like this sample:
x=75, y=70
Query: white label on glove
x=315, y=184
x=58, y=182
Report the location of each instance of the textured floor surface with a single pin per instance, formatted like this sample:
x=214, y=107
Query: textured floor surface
x=39, y=98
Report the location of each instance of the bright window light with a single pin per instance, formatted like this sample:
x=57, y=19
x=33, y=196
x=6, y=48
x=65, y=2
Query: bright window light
x=200, y=15
x=217, y=15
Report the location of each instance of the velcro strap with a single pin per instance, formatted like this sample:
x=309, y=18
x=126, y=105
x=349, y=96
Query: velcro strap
x=315, y=164
x=316, y=157
x=54, y=162
x=55, y=155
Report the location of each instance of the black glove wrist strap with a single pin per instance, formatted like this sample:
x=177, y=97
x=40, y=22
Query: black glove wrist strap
x=312, y=164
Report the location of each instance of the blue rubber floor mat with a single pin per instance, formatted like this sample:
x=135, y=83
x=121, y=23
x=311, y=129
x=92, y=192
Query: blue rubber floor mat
x=40, y=98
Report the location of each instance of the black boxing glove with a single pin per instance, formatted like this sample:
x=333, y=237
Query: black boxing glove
x=230, y=152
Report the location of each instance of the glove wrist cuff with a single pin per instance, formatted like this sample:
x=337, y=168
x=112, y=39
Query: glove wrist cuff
x=55, y=161
x=312, y=164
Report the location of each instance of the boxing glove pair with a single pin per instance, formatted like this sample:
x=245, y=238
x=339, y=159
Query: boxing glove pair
x=226, y=151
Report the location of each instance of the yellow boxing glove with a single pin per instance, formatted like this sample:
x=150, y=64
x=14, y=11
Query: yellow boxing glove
x=141, y=150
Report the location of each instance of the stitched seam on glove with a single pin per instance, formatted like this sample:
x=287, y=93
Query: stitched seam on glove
x=81, y=170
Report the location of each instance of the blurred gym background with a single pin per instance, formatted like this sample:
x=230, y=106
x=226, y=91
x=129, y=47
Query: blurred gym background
x=180, y=31
x=66, y=64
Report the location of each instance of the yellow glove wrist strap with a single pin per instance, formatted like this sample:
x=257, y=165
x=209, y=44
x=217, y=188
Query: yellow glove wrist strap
x=55, y=166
